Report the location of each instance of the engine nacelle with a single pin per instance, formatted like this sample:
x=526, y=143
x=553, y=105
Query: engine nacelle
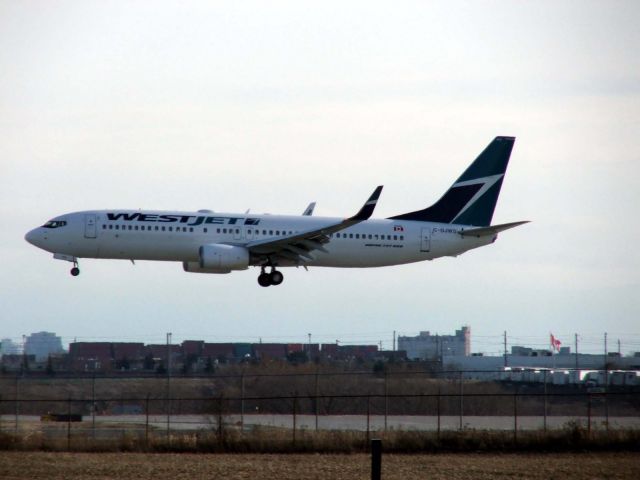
x=218, y=256
x=194, y=267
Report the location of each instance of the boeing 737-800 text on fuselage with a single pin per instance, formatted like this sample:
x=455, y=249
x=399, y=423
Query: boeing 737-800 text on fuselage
x=212, y=242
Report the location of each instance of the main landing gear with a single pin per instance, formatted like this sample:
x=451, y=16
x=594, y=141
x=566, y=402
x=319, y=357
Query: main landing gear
x=272, y=278
x=75, y=271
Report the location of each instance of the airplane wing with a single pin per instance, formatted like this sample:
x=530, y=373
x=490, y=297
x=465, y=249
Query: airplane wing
x=492, y=230
x=309, y=210
x=298, y=247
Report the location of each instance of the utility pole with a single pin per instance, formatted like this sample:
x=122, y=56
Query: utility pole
x=505, y=348
x=309, y=350
x=619, y=351
x=576, y=340
x=605, y=360
x=394, y=340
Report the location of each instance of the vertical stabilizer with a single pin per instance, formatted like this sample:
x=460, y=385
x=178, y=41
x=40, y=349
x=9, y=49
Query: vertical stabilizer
x=472, y=199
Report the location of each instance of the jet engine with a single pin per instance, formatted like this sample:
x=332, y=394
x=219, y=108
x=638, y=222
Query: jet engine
x=194, y=267
x=223, y=257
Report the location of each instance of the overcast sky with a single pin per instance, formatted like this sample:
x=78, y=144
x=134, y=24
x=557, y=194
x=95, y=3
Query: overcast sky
x=271, y=105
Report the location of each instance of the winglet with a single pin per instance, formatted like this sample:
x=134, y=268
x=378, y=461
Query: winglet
x=309, y=210
x=367, y=209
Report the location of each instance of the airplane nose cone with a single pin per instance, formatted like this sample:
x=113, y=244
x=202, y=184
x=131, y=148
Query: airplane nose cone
x=32, y=236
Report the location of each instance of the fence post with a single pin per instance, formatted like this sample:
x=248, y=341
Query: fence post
x=461, y=399
x=146, y=426
x=545, y=400
x=295, y=408
x=588, y=414
x=317, y=400
x=606, y=408
x=93, y=406
x=438, y=408
x=242, y=403
x=168, y=406
x=368, y=416
x=515, y=417
x=17, y=402
x=376, y=459
x=69, y=424
x=220, y=416
x=386, y=399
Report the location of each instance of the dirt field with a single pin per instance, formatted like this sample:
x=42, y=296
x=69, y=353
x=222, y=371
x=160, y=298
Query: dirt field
x=107, y=466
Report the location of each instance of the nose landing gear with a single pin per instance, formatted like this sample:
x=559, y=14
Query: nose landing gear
x=272, y=278
x=75, y=271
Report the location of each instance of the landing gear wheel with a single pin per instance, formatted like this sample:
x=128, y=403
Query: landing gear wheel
x=276, y=277
x=264, y=279
x=75, y=271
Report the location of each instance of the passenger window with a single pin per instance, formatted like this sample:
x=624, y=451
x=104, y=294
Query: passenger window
x=136, y=227
x=171, y=229
x=217, y=230
x=270, y=232
x=110, y=227
x=205, y=230
x=249, y=232
x=277, y=232
x=401, y=237
x=395, y=237
x=337, y=235
x=117, y=227
x=224, y=230
x=104, y=227
x=357, y=235
x=191, y=229
x=376, y=236
x=351, y=235
x=156, y=228
x=237, y=230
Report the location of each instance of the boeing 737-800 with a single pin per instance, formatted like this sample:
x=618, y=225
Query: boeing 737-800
x=212, y=242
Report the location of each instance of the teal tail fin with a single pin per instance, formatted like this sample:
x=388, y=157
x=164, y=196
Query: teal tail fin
x=472, y=199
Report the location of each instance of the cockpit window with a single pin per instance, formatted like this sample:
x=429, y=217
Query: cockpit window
x=54, y=224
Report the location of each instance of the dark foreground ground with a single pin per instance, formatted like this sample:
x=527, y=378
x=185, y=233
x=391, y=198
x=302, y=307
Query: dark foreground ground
x=103, y=466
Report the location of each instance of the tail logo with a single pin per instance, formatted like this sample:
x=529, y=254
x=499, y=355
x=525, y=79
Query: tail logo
x=486, y=182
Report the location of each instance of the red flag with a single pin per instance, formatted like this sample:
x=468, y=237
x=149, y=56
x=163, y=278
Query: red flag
x=555, y=343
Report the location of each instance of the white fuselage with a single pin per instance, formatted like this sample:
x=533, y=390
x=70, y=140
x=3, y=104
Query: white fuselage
x=178, y=236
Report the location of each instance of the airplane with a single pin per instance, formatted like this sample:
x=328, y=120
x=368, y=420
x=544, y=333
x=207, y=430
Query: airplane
x=219, y=243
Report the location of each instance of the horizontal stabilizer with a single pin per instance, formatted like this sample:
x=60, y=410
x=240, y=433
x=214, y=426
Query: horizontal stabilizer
x=484, y=231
